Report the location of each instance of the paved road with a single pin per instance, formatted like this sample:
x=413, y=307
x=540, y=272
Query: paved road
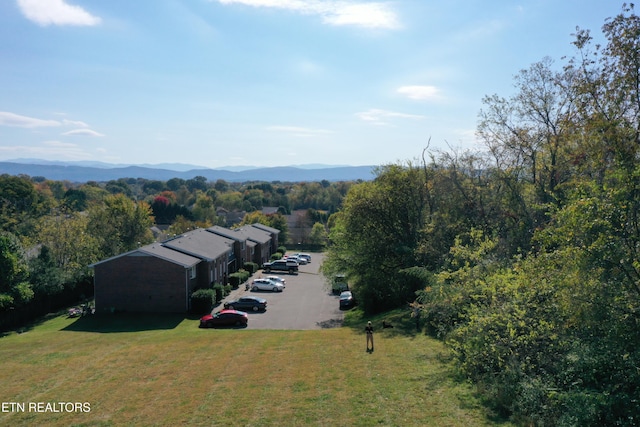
x=306, y=302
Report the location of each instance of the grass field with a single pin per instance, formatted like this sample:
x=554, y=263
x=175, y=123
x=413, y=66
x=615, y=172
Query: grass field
x=146, y=370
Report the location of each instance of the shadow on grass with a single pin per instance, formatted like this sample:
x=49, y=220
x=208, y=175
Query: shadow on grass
x=32, y=324
x=126, y=322
x=403, y=324
x=227, y=327
x=331, y=323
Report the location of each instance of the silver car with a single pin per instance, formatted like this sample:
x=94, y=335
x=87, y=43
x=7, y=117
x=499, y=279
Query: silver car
x=299, y=260
x=305, y=256
x=278, y=279
x=266, y=285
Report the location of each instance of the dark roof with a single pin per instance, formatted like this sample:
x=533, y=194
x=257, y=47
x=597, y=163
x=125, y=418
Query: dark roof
x=225, y=232
x=170, y=255
x=255, y=234
x=159, y=251
x=266, y=228
x=201, y=243
x=190, y=248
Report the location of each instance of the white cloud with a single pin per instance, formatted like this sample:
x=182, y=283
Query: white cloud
x=372, y=15
x=82, y=132
x=379, y=117
x=75, y=123
x=48, y=149
x=334, y=12
x=299, y=131
x=419, y=92
x=16, y=120
x=59, y=144
x=11, y=119
x=56, y=12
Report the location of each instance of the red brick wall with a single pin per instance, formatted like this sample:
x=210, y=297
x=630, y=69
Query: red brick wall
x=141, y=284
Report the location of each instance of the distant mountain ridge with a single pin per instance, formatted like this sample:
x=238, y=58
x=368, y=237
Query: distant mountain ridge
x=97, y=171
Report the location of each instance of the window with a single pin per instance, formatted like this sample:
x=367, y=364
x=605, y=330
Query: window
x=192, y=272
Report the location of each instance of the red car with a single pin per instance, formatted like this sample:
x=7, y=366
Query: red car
x=224, y=318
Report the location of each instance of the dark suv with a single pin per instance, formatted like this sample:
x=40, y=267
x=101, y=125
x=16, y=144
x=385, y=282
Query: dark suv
x=281, y=265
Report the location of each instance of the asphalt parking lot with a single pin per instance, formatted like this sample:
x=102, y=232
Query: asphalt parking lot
x=305, y=303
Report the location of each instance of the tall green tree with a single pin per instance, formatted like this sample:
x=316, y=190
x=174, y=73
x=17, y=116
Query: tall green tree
x=318, y=235
x=607, y=83
x=607, y=91
x=45, y=276
x=230, y=200
x=120, y=225
x=531, y=131
x=69, y=246
x=119, y=186
x=204, y=209
x=377, y=234
x=14, y=286
x=19, y=204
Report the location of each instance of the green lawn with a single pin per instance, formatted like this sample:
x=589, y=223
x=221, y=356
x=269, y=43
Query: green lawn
x=146, y=370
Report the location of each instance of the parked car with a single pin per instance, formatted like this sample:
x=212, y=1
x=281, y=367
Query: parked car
x=339, y=284
x=347, y=300
x=224, y=318
x=304, y=256
x=281, y=265
x=296, y=258
x=266, y=285
x=278, y=279
x=247, y=303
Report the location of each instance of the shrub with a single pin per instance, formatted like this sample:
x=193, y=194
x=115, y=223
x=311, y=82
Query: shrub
x=281, y=250
x=220, y=292
x=275, y=256
x=251, y=267
x=239, y=277
x=202, y=300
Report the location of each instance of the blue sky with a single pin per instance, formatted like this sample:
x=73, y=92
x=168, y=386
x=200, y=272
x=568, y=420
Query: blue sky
x=265, y=82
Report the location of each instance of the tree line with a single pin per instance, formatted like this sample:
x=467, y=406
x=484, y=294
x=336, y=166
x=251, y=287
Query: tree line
x=524, y=257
